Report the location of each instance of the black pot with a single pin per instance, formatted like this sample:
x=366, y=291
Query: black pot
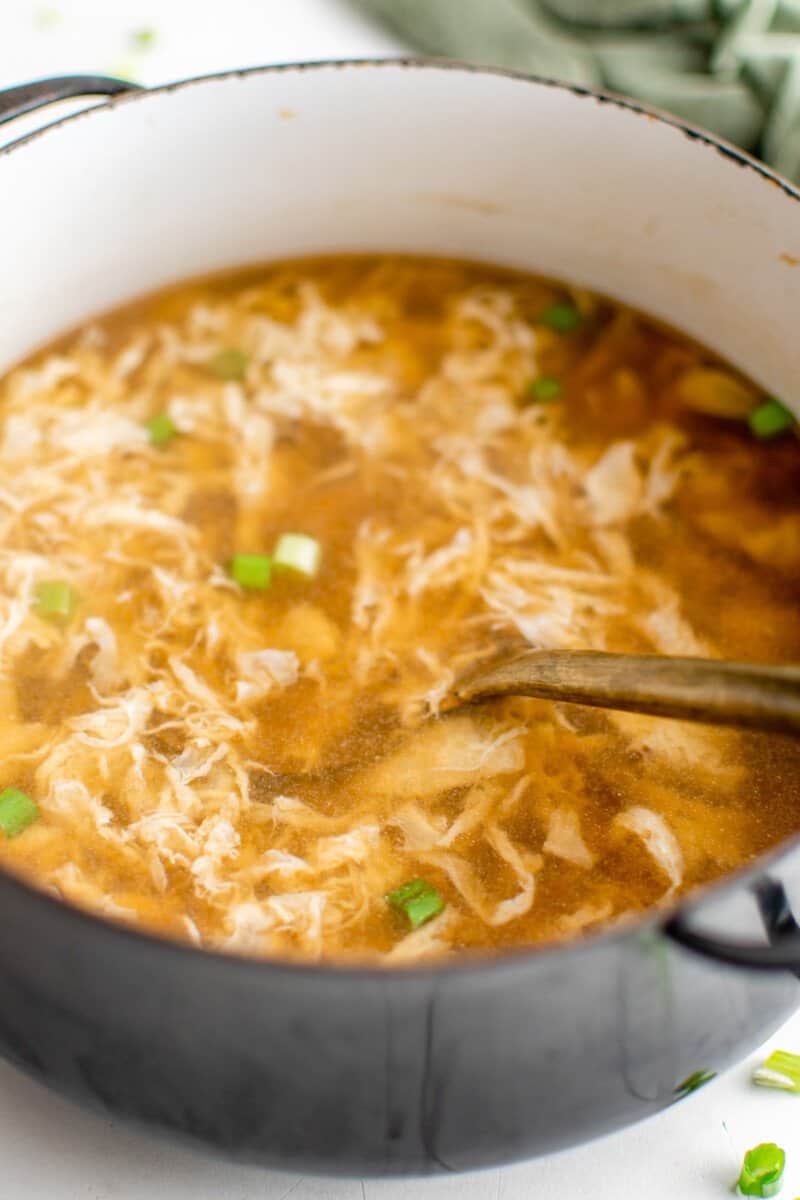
x=381, y=1072
x=426, y=1069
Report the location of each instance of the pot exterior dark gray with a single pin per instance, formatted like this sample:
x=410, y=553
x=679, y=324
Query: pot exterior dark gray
x=368, y=1072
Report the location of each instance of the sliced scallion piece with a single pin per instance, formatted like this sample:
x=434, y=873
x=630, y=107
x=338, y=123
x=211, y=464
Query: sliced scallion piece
x=563, y=318
x=418, y=901
x=781, y=1070
x=762, y=1171
x=46, y=16
x=230, y=364
x=17, y=811
x=161, y=429
x=298, y=552
x=55, y=601
x=770, y=419
x=694, y=1081
x=143, y=39
x=251, y=571
x=545, y=389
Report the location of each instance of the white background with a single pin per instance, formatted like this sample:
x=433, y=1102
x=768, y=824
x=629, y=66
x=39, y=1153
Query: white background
x=49, y=1150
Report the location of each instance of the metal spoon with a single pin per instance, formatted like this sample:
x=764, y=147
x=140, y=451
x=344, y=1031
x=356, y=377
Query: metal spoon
x=747, y=695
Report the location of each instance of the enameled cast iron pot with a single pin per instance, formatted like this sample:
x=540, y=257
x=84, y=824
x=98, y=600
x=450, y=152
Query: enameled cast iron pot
x=432, y=1068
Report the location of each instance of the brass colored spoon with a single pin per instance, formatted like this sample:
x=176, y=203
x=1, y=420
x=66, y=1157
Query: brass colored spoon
x=746, y=695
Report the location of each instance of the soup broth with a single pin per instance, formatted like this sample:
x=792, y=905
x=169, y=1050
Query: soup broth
x=230, y=735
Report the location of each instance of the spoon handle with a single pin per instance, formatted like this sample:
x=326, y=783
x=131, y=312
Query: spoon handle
x=746, y=695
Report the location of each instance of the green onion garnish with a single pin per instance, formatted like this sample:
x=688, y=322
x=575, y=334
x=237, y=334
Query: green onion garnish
x=762, y=1170
x=230, y=364
x=46, y=16
x=55, y=601
x=545, y=389
x=694, y=1081
x=251, y=571
x=17, y=811
x=770, y=419
x=298, y=552
x=161, y=429
x=416, y=900
x=563, y=318
x=781, y=1070
x=125, y=70
x=143, y=39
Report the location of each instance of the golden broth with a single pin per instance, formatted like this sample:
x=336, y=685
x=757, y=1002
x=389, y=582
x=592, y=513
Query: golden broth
x=480, y=469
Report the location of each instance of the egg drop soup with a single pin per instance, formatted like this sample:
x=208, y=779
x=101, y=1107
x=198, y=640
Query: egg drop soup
x=254, y=528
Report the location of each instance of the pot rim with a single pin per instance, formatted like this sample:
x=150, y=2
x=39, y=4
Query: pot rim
x=661, y=116
x=652, y=921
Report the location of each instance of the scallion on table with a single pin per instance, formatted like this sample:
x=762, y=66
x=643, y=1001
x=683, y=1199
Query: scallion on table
x=781, y=1070
x=694, y=1081
x=762, y=1171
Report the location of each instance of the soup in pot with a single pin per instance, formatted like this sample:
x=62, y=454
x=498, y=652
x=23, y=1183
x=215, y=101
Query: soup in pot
x=252, y=530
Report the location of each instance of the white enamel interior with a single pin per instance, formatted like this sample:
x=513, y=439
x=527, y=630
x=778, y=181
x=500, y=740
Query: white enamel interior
x=235, y=169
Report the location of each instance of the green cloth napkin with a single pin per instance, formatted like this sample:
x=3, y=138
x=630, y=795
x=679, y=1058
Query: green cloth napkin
x=732, y=66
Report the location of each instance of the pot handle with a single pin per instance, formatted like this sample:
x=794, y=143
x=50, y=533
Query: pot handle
x=27, y=97
x=782, y=951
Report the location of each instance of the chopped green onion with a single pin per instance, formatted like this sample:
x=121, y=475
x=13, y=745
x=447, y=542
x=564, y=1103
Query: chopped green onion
x=781, y=1070
x=17, y=811
x=55, y=601
x=252, y=571
x=762, y=1170
x=46, y=16
x=230, y=364
x=694, y=1081
x=545, y=389
x=143, y=39
x=124, y=70
x=298, y=552
x=416, y=900
x=161, y=429
x=563, y=318
x=770, y=419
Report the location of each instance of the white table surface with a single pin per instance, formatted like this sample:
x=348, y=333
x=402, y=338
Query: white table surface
x=51, y=1150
